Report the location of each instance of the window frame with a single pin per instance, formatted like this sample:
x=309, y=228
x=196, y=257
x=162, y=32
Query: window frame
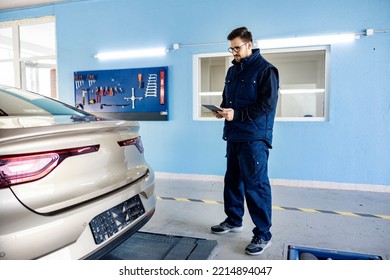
x=197, y=74
x=196, y=78
x=17, y=60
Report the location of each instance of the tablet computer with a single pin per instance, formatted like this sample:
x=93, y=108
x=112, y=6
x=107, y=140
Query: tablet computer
x=212, y=107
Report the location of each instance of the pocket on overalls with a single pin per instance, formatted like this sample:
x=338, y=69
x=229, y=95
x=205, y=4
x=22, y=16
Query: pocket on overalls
x=247, y=92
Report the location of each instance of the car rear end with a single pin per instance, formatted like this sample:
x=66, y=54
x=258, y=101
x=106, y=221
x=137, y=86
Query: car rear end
x=71, y=189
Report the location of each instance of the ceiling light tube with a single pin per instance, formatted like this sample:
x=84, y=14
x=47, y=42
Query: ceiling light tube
x=131, y=54
x=307, y=41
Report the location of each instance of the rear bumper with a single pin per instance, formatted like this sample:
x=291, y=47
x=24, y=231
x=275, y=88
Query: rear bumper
x=67, y=235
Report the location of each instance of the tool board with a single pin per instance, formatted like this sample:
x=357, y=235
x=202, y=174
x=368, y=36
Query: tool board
x=129, y=94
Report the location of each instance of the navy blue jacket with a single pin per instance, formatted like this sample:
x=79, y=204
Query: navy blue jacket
x=251, y=89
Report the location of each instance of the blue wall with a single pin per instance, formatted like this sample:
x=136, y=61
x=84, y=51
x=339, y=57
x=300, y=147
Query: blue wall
x=352, y=147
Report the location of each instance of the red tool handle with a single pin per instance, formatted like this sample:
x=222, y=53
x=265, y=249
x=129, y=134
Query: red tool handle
x=139, y=80
x=162, y=93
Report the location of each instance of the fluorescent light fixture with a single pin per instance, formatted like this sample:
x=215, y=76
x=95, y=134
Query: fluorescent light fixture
x=131, y=54
x=307, y=41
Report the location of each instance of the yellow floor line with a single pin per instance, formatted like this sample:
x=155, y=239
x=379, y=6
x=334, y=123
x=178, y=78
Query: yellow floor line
x=307, y=210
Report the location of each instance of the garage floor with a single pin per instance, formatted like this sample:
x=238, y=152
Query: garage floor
x=349, y=221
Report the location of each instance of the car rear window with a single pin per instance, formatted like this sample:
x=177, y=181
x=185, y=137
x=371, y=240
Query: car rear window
x=20, y=103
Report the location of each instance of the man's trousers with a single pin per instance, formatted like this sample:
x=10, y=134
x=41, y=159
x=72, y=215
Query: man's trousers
x=247, y=179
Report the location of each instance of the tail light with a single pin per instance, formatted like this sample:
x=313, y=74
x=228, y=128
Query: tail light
x=17, y=169
x=133, y=141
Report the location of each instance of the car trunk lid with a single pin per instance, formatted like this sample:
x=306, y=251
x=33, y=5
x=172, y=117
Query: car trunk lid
x=107, y=167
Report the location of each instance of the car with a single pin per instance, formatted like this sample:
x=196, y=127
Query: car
x=73, y=185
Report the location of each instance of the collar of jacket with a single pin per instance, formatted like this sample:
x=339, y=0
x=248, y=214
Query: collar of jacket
x=255, y=54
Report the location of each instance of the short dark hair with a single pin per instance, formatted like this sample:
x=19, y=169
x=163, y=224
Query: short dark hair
x=241, y=32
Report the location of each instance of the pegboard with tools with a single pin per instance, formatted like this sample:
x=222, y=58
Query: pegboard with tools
x=129, y=94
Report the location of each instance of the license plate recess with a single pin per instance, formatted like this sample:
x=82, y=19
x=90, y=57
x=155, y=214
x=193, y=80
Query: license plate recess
x=113, y=220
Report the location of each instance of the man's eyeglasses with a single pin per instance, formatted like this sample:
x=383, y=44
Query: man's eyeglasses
x=236, y=49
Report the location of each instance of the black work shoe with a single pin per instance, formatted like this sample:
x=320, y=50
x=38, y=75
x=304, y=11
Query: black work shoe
x=224, y=227
x=257, y=246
